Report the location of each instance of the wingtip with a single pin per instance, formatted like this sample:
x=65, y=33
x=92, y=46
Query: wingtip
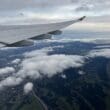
x=82, y=18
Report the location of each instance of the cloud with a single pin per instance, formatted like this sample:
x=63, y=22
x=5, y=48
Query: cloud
x=35, y=10
x=100, y=53
x=63, y=76
x=97, y=38
x=7, y=4
x=41, y=52
x=102, y=43
x=6, y=70
x=84, y=8
x=28, y=87
x=81, y=72
x=101, y=46
x=16, y=61
x=48, y=65
x=67, y=40
x=40, y=63
x=10, y=81
x=37, y=64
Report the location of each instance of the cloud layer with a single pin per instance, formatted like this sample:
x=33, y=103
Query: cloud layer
x=37, y=64
x=88, y=4
x=37, y=10
x=6, y=70
x=100, y=53
x=40, y=63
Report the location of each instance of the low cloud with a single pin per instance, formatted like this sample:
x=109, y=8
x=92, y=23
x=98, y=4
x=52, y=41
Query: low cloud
x=10, y=81
x=63, y=76
x=28, y=87
x=6, y=70
x=40, y=63
x=81, y=72
x=37, y=64
x=100, y=53
x=16, y=61
x=48, y=65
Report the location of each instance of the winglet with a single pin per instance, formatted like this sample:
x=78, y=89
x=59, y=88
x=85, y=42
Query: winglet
x=82, y=18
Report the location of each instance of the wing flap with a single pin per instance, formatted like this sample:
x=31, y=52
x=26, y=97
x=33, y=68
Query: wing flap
x=21, y=43
x=41, y=37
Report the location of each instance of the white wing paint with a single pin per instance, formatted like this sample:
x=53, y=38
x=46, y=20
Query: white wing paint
x=11, y=34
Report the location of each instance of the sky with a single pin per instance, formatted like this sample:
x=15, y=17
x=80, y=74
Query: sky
x=41, y=11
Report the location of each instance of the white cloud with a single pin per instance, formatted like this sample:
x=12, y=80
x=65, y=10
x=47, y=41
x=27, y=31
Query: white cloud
x=15, y=4
x=99, y=52
x=40, y=52
x=81, y=72
x=16, y=61
x=89, y=39
x=67, y=40
x=35, y=10
x=6, y=70
x=63, y=76
x=39, y=62
x=28, y=87
x=7, y=4
x=102, y=46
x=10, y=81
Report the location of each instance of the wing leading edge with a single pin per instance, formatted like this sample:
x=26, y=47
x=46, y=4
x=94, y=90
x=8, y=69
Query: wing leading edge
x=15, y=33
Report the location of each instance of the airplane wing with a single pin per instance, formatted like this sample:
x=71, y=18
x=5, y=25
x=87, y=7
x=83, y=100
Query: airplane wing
x=20, y=34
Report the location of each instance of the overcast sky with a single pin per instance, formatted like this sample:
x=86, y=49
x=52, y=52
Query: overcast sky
x=98, y=7
x=40, y=10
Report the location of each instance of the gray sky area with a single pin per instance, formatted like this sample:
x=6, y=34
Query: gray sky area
x=84, y=4
x=32, y=11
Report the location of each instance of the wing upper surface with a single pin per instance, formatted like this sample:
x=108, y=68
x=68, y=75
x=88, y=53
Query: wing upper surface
x=15, y=33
